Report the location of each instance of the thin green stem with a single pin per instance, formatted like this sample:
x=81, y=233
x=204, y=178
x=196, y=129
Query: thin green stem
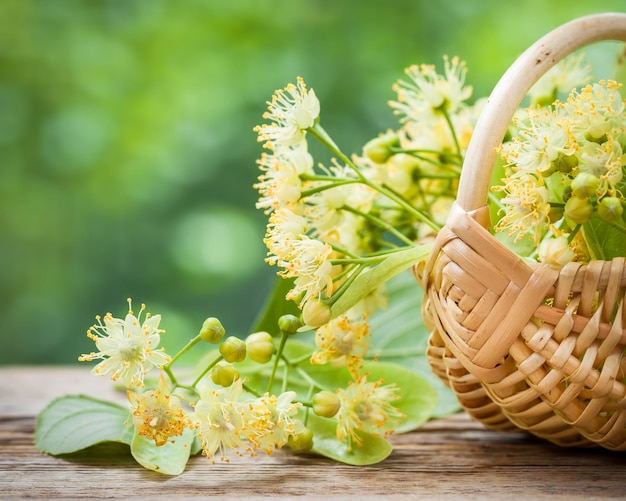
x=399, y=199
x=448, y=119
x=379, y=222
x=168, y=367
x=281, y=346
x=324, y=187
x=573, y=233
x=320, y=134
x=251, y=390
x=207, y=369
x=344, y=286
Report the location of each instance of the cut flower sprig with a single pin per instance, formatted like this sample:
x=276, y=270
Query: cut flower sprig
x=348, y=226
x=313, y=376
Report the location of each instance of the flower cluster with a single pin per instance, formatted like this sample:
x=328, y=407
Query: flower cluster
x=338, y=230
x=327, y=224
x=565, y=173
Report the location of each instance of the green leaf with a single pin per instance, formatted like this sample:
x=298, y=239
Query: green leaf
x=368, y=281
x=275, y=307
x=75, y=422
x=604, y=241
x=325, y=442
x=169, y=459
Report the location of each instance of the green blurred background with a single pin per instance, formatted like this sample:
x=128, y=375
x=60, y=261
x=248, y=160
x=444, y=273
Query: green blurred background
x=127, y=153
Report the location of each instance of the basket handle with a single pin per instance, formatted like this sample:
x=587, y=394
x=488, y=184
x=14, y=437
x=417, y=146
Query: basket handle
x=512, y=88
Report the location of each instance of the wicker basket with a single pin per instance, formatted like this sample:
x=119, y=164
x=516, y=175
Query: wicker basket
x=526, y=346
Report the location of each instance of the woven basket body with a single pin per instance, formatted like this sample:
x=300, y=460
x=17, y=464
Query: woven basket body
x=526, y=346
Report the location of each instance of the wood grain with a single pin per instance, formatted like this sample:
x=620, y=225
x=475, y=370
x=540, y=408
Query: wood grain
x=447, y=459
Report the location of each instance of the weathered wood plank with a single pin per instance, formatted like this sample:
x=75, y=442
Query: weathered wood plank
x=449, y=458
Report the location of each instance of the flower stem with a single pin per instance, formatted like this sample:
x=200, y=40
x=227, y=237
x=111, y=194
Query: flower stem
x=383, y=224
x=322, y=136
x=251, y=390
x=168, y=367
x=207, y=369
x=279, y=352
x=448, y=119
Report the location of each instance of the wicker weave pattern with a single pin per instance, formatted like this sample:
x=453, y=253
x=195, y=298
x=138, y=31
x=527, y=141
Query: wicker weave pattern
x=526, y=346
x=540, y=348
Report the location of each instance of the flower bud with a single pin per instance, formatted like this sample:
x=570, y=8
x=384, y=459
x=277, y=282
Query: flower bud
x=555, y=252
x=585, y=185
x=289, y=324
x=212, y=330
x=224, y=374
x=302, y=442
x=610, y=208
x=578, y=210
x=379, y=149
x=315, y=313
x=260, y=347
x=326, y=404
x=233, y=350
x=565, y=163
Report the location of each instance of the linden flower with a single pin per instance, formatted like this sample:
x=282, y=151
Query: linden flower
x=280, y=184
x=526, y=207
x=342, y=342
x=431, y=91
x=157, y=414
x=284, y=227
x=292, y=110
x=596, y=110
x=128, y=348
x=603, y=161
x=273, y=421
x=366, y=406
x=545, y=137
x=219, y=419
x=307, y=261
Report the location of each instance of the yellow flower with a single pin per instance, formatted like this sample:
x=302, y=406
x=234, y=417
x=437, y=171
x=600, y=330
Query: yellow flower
x=280, y=183
x=271, y=421
x=157, y=414
x=366, y=406
x=430, y=92
x=219, y=419
x=128, y=348
x=342, y=343
x=292, y=110
x=526, y=207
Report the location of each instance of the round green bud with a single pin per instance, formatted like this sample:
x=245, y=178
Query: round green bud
x=315, y=313
x=578, y=210
x=326, y=404
x=233, y=349
x=379, y=149
x=610, y=208
x=289, y=324
x=212, y=330
x=585, y=185
x=223, y=374
x=260, y=347
x=565, y=163
x=555, y=214
x=302, y=442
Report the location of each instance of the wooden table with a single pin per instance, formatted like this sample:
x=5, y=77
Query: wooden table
x=447, y=458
